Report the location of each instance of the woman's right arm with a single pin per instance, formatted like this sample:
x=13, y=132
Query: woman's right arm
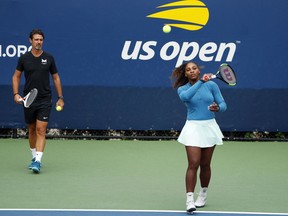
x=186, y=94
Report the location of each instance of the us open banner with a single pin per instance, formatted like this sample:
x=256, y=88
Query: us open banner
x=115, y=61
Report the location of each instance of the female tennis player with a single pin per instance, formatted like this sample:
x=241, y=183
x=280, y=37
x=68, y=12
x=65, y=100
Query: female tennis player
x=201, y=132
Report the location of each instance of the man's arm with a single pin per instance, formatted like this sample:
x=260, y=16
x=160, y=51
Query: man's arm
x=16, y=79
x=58, y=87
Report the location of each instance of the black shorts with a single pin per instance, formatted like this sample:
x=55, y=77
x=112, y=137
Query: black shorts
x=39, y=110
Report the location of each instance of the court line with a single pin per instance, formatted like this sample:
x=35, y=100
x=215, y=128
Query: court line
x=148, y=211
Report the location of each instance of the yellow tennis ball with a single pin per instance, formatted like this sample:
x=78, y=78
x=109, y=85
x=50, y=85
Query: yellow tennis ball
x=58, y=108
x=166, y=28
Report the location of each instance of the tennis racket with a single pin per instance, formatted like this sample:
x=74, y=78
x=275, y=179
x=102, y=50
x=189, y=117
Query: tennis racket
x=29, y=98
x=226, y=74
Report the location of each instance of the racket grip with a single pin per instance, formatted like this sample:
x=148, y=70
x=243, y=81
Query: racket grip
x=213, y=77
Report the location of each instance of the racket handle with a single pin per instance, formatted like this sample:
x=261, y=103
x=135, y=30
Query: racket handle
x=21, y=99
x=213, y=77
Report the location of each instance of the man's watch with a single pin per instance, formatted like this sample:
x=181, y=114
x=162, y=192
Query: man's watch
x=60, y=97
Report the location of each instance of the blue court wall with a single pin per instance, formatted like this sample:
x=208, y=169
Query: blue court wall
x=115, y=61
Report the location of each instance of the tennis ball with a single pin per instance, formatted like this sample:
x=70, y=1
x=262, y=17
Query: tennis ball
x=58, y=108
x=166, y=29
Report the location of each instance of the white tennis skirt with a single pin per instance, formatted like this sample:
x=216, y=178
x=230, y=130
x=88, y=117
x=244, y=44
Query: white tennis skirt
x=201, y=133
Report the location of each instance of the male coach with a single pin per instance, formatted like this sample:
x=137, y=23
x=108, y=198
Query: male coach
x=37, y=66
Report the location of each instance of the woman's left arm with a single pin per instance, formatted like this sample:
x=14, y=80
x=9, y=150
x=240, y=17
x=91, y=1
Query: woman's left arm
x=218, y=98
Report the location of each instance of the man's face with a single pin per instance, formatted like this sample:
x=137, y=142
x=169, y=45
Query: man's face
x=37, y=42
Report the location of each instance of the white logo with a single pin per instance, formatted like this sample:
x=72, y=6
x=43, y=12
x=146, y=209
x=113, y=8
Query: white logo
x=185, y=51
x=44, y=61
x=13, y=50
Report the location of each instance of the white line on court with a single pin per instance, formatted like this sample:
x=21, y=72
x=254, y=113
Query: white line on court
x=160, y=211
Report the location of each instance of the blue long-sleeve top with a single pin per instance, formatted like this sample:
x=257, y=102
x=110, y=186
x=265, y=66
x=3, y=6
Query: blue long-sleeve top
x=198, y=97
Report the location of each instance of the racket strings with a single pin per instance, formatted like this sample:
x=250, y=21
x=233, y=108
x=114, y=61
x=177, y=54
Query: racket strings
x=31, y=97
x=228, y=74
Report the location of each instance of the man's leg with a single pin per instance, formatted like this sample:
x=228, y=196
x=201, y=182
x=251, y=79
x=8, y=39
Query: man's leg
x=41, y=127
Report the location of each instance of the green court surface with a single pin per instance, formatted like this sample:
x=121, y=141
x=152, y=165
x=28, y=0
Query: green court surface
x=141, y=175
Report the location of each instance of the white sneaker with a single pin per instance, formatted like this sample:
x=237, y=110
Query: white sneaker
x=190, y=207
x=201, y=200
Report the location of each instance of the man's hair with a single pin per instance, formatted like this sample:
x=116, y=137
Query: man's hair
x=36, y=31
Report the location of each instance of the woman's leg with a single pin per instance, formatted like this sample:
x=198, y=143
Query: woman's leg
x=194, y=157
x=205, y=166
x=205, y=175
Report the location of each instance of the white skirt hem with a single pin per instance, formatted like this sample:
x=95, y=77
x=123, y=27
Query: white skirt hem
x=201, y=133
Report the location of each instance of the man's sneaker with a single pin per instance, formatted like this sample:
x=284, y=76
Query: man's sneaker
x=201, y=200
x=36, y=167
x=32, y=161
x=190, y=207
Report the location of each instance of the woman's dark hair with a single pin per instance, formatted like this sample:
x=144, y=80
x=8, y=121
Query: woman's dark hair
x=178, y=75
x=36, y=31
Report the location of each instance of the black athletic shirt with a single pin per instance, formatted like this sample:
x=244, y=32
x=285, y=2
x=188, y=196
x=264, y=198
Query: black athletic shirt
x=37, y=72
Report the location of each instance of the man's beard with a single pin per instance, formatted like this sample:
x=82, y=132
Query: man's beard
x=38, y=47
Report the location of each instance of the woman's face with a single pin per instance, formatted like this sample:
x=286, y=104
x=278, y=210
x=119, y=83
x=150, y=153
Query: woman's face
x=192, y=71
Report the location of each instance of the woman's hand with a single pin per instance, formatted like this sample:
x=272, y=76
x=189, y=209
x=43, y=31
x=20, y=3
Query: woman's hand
x=206, y=77
x=213, y=107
